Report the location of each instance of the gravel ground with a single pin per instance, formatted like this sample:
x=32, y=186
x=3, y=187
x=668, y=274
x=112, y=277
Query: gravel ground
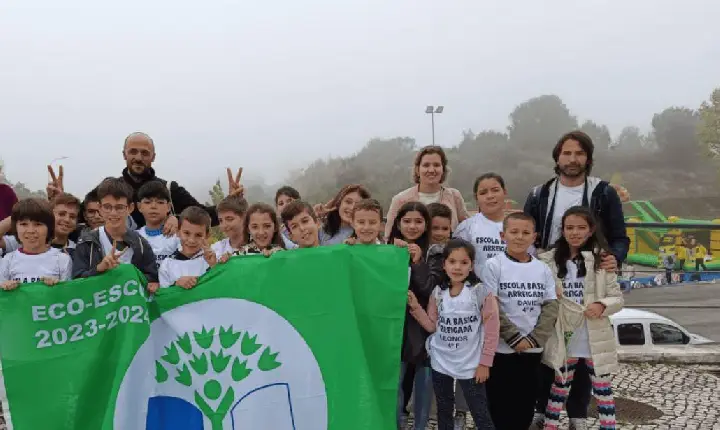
x=654, y=397
x=660, y=397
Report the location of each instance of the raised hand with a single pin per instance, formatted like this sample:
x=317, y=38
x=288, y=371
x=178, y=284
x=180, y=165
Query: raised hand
x=321, y=210
x=55, y=187
x=415, y=253
x=112, y=260
x=209, y=255
x=171, y=226
x=235, y=188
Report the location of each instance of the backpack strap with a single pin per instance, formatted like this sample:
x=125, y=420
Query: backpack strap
x=169, y=188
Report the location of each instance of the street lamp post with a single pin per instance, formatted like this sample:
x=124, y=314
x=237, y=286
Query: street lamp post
x=432, y=110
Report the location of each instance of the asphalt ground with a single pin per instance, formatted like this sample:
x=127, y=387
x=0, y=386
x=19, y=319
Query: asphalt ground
x=694, y=306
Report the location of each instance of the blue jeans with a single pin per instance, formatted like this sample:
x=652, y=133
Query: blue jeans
x=474, y=394
x=422, y=399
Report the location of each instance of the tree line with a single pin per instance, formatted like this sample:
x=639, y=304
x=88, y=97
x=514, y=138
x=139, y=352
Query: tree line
x=680, y=138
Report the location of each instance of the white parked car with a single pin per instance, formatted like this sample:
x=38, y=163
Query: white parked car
x=637, y=329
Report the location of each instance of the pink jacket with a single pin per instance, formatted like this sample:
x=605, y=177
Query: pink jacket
x=448, y=196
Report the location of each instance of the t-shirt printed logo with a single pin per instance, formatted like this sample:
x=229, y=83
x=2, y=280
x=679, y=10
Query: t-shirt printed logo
x=574, y=290
x=491, y=246
x=455, y=330
x=529, y=295
x=27, y=280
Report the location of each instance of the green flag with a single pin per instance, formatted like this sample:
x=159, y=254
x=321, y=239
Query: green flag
x=307, y=339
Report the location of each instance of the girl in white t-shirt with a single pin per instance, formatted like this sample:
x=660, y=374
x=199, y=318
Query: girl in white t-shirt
x=583, y=335
x=483, y=230
x=463, y=316
x=35, y=260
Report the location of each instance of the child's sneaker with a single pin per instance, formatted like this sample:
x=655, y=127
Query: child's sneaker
x=578, y=424
x=538, y=422
x=460, y=421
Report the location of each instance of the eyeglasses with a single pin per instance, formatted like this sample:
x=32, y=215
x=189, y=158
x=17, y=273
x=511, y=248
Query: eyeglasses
x=110, y=208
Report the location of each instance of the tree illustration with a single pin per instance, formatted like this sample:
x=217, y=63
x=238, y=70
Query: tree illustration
x=191, y=358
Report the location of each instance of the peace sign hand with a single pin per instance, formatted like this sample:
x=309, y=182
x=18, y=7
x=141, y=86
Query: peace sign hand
x=210, y=256
x=112, y=260
x=55, y=187
x=235, y=188
x=321, y=210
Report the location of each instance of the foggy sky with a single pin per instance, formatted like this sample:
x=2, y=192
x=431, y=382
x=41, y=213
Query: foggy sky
x=273, y=85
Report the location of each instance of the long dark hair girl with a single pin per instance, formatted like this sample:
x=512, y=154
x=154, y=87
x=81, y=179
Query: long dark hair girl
x=333, y=221
x=424, y=240
x=596, y=243
x=264, y=208
x=451, y=246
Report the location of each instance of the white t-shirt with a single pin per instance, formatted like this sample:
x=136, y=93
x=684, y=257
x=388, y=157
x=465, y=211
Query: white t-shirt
x=125, y=258
x=521, y=289
x=456, y=346
x=223, y=247
x=178, y=265
x=26, y=268
x=484, y=234
x=162, y=246
x=427, y=198
x=565, y=198
x=574, y=289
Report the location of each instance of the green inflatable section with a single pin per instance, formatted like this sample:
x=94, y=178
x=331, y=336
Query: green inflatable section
x=647, y=212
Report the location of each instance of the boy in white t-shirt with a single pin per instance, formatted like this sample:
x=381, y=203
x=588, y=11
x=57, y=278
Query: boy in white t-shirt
x=154, y=205
x=525, y=288
x=231, y=213
x=484, y=229
x=195, y=257
x=35, y=260
x=66, y=209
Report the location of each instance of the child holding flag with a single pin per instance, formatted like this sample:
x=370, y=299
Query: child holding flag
x=262, y=231
x=35, y=260
x=194, y=258
x=411, y=229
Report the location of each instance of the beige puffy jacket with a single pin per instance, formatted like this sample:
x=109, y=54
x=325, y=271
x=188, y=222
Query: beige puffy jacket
x=601, y=287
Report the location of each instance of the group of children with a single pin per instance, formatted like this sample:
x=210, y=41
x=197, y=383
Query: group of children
x=483, y=310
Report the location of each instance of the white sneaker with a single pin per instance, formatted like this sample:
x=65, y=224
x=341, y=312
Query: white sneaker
x=578, y=424
x=459, y=422
x=538, y=422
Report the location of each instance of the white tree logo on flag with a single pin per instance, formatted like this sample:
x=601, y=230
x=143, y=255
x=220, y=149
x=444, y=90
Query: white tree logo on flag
x=191, y=358
x=222, y=364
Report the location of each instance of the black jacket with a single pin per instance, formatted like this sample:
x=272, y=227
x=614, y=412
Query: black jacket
x=599, y=196
x=89, y=253
x=424, y=277
x=179, y=196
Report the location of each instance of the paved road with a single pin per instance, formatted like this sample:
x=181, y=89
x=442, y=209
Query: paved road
x=694, y=306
